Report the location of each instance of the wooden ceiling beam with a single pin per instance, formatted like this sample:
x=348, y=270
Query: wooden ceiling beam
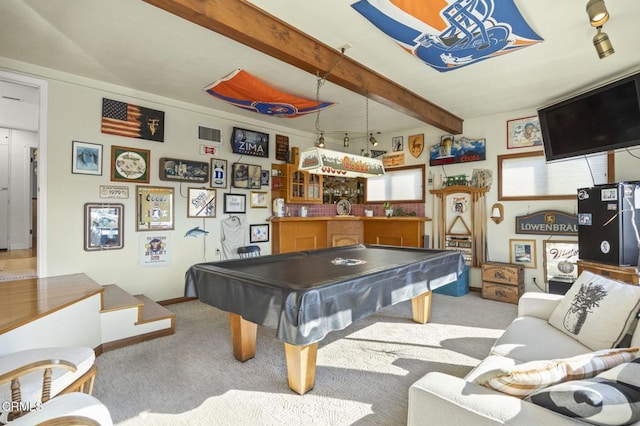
x=247, y=24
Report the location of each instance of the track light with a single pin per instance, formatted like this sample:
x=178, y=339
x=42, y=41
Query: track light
x=597, y=12
x=373, y=140
x=603, y=44
x=320, y=142
x=345, y=141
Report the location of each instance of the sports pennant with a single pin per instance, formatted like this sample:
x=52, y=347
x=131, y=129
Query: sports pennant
x=248, y=92
x=451, y=34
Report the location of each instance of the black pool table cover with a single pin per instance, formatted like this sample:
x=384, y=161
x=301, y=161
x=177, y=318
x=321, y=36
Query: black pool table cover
x=305, y=295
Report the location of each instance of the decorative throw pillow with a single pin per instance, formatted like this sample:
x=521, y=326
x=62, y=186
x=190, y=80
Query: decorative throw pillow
x=597, y=311
x=524, y=379
x=602, y=400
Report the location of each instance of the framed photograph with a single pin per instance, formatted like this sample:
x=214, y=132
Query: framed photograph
x=103, y=226
x=560, y=260
x=86, y=158
x=247, y=176
x=218, y=173
x=154, y=208
x=258, y=200
x=130, y=164
x=523, y=252
x=235, y=203
x=173, y=169
x=396, y=144
x=201, y=202
x=523, y=132
x=259, y=233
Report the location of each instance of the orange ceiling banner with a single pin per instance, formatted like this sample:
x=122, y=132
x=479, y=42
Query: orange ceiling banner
x=245, y=91
x=451, y=34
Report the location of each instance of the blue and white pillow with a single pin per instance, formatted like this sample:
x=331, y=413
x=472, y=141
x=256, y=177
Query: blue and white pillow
x=610, y=398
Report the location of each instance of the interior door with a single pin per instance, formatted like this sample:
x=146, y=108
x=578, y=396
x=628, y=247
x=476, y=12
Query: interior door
x=4, y=189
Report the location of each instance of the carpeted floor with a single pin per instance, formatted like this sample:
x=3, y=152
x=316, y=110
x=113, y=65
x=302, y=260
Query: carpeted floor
x=363, y=372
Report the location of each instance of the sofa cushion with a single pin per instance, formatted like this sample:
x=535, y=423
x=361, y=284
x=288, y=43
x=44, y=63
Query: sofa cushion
x=522, y=380
x=597, y=311
x=610, y=398
x=529, y=339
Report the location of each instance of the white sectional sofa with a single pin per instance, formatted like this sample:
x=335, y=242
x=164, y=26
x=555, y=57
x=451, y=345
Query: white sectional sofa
x=537, y=336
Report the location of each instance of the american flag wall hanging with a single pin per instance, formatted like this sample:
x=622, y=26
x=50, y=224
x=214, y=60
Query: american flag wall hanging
x=451, y=34
x=132, y=121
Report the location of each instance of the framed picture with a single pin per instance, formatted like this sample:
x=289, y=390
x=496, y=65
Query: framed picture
x=258, y=200
x=282, y=148
x=259, y=233
x=264, y=181
x=173, y=169
x=86, y=158
x=235, y=203
x=247, y=176
x=218, y=173
x=560, y=260
x=396, y=143
x=103, y=226
x=201, y=202
x=129, y=164
x=154, y=208
x=523, y=132
x=523, y=252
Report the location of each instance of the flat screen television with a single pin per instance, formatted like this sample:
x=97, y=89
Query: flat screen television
x=602, y=119
x=250, y=142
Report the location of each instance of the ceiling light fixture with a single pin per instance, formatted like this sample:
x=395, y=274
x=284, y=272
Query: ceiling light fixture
x=597, y=12
x=603, y=44
x=373, y=140
x=598, y=15
x=345, y=141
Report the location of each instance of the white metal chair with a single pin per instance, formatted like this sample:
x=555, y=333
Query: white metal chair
x=249, y=251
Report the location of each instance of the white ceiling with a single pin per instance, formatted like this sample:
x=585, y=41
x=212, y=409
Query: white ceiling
x=136, y=45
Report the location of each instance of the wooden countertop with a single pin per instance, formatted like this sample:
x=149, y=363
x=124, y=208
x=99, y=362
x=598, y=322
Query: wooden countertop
x=353, y=218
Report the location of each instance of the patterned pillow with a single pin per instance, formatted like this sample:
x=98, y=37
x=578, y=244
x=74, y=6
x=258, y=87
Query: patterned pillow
x=611, y=398
x=524, y=379
x=597, y=311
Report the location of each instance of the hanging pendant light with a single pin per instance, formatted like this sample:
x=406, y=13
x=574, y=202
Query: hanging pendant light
x=345, y=141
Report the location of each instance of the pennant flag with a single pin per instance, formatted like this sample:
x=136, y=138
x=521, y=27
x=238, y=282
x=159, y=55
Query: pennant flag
x=247, y=92
x=122, y=119
x=451, y=34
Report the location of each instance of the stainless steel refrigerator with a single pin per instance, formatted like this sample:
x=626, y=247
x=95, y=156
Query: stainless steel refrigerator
x=609, y=223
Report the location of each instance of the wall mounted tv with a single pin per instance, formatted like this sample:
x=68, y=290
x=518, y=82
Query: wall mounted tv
x=602, y=119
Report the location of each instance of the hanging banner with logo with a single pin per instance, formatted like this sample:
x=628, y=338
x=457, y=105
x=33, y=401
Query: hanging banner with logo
x=451, y=34
x=252, y=94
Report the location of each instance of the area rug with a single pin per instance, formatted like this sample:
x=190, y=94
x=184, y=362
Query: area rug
x=363, y=372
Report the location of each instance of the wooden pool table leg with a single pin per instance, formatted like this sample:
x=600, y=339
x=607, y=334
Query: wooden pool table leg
x=243, y=337
x=301, y=366
x=421, y=307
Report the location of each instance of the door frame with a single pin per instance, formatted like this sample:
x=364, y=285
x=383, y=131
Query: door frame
x=43, y=92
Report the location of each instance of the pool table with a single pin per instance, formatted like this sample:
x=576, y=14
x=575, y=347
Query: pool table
x=305, y=295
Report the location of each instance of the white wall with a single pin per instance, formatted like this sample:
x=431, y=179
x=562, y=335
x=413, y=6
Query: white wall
x=74, y=114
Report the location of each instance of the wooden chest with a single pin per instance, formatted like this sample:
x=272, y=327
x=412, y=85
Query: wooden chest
x=502, y=292
x=502, y=281
x=503, y=273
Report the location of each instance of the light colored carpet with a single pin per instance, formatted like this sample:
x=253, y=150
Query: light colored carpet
x=363, y=372
x=18, y=274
